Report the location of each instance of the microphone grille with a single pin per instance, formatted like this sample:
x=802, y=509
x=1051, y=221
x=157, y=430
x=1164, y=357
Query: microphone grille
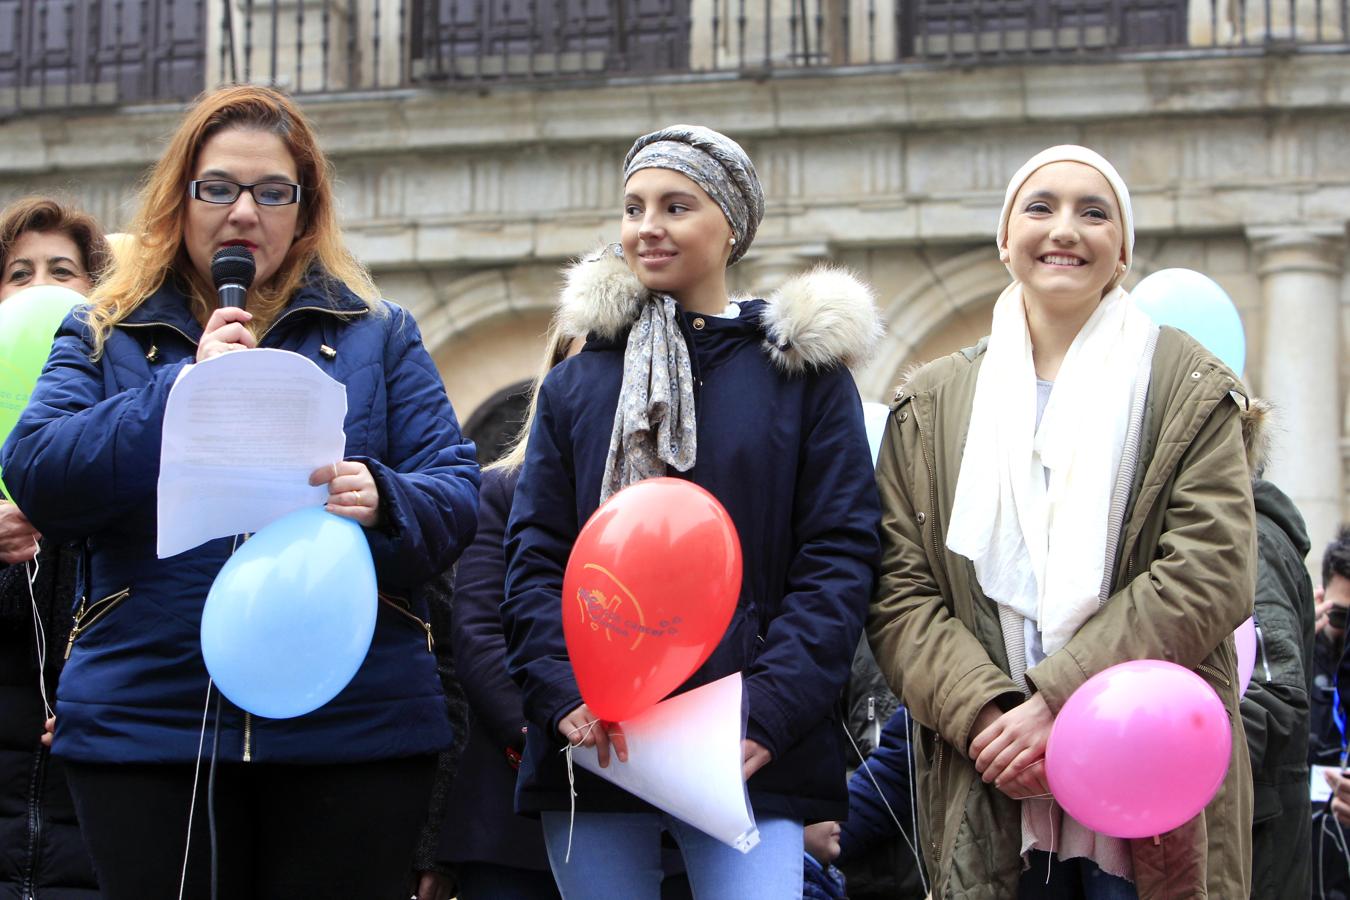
x=233, y=265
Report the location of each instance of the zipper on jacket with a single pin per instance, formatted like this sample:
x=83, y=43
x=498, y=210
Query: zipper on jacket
x=172, y=328
x=939, y=810
x=248, y=737
x=938, y=826
x=398, y=605
x=1206, y=667
x=28, y=874
x=93, y=613
x=932, y=507
x=317, y=309
x=876, y=725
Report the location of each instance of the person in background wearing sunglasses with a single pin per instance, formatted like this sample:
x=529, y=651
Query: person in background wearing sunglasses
x=1327, y=747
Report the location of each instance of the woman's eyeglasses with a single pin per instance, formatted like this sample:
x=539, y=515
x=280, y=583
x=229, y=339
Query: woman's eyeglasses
x=225, y=192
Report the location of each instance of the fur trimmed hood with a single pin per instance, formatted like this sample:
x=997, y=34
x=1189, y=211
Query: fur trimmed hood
x=816, y=320
x=1257, y=419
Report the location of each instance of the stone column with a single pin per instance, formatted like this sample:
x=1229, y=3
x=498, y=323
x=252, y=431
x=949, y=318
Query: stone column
x=1300, y=271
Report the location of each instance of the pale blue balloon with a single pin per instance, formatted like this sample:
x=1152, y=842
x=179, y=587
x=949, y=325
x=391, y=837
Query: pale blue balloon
x=1195, y=304
x=290, y=617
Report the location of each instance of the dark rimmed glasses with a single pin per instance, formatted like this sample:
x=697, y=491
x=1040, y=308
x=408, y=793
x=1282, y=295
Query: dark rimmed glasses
x=225, y=192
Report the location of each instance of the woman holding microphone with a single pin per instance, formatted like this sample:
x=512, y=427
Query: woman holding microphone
x=244, y=168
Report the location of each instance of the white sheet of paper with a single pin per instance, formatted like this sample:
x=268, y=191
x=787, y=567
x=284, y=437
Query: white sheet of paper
x=684, y=757
x=1318, y=789
x=242, y=433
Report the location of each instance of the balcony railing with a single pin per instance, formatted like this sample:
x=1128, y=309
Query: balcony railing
x=78, y=53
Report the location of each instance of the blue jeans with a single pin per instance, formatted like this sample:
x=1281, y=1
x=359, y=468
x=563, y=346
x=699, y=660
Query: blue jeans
x=485, y=881
x=1071, y=879
x=617, y=856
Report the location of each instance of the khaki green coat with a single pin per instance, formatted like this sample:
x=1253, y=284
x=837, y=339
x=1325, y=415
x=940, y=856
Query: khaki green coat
x=1184, y=580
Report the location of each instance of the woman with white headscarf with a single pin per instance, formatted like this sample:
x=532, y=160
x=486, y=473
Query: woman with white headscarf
x=1069, y=494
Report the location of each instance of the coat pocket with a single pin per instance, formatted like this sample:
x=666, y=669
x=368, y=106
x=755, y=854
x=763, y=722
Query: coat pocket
x=90, y=614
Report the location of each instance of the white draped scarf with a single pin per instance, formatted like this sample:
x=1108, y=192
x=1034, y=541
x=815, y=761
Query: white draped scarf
x=1038, y=544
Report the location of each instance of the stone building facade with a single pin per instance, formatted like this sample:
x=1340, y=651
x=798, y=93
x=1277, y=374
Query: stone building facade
x=465, y=199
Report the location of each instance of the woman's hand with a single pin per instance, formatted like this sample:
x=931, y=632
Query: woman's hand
x=754, y=756
x=18, y=538
x=48, y=729
x=226, y=330
x=581, y=728
x=1010, y=753
x=351, y=492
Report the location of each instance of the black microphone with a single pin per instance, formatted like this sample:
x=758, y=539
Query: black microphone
x=232, y=270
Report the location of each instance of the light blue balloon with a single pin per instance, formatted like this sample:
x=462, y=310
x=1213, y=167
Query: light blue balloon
x=1196, y=304
x=291, y=615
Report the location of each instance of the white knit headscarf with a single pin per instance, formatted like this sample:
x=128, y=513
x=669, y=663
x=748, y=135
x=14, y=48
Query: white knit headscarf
x=1074, y=153
x=1039, y=548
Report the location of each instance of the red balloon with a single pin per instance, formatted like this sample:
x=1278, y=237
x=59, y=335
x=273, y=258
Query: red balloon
x=649, y=591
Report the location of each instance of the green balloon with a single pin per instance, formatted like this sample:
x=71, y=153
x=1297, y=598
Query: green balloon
x=28, y=323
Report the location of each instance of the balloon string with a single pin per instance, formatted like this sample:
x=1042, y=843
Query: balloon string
x=192, y=806
x=1054, y=838
x=881, y=794
x=913, y=795
x=39, y=632
x=572, y=782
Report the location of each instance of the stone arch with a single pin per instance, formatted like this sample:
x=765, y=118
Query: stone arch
x=486, y=331
x=942, y=311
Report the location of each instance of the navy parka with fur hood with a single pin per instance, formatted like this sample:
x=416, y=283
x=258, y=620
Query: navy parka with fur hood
x=781, y=444
x=83, y=462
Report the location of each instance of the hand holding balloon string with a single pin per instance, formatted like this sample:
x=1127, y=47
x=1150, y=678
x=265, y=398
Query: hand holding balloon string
x=18, y=538
x=581, y=728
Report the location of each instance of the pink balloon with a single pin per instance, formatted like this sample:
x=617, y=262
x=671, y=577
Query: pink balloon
x=1139, y=749
x=1245, y=638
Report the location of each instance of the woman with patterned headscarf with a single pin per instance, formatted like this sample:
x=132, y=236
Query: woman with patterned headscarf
x=1069, y=494
x=751, y=399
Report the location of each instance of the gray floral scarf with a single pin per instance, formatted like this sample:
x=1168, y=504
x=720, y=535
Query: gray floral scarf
x=654, y=425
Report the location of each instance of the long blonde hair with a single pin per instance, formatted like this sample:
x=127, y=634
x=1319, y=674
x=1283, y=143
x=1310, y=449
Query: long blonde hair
x=556, y=343
x=156, y=252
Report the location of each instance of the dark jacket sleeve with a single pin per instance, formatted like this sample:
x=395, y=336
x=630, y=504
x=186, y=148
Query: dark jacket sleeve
x=476, y=632
x=809, y=645
x=539, y=535
x=76, y=459
x=1275, y=707
x=428, y=480
x=882, y=780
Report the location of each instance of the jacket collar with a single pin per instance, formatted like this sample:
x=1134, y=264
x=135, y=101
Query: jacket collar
x=818, y=320
x=169, y=305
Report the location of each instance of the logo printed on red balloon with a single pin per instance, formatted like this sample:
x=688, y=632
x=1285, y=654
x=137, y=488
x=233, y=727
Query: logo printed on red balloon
x=613, y=608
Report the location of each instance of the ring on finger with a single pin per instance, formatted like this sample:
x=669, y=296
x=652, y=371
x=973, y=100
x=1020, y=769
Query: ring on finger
x=356, y=498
